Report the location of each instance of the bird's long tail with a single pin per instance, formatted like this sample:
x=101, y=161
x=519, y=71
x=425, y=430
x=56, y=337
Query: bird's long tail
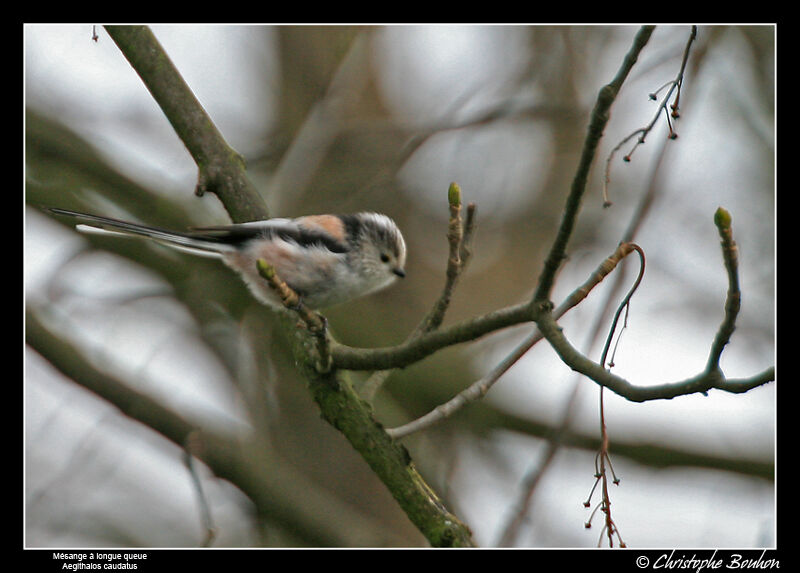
x=194, y=243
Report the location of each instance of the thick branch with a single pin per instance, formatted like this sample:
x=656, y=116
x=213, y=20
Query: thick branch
x=222, y=172
x=347, y=412
x=221, y=169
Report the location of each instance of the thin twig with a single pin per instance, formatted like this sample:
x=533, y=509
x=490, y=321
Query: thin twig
x=625, y=304
x=459, y=237
x=316, y=323
x=643, y=132
x=603, y=456
x=597, y=124
x=733, y=300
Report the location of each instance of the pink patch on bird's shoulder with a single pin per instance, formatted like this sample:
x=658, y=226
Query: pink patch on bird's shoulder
x=330, y=224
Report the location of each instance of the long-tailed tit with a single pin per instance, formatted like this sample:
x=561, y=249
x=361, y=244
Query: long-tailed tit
x=325, y=259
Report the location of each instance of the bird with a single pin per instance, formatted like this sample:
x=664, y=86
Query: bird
x=325, y=259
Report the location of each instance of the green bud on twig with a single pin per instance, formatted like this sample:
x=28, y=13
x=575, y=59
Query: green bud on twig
x=722, y=219
x=454, y=195
x=265, y=269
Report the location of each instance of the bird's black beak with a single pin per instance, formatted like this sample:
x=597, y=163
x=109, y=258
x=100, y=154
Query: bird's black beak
x=399, y=272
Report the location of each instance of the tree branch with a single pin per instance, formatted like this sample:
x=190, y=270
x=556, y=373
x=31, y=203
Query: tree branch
x=597, y=124
x=416, y=349
x=711, y=378
x=344, y=410
x=540, y=311
x=733, y=301
x=222, y=172
x=479, y=388
x=642, y=132
x=702, y=382
x=221, y=169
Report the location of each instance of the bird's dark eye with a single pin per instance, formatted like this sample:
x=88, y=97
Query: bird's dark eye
x=384, y=258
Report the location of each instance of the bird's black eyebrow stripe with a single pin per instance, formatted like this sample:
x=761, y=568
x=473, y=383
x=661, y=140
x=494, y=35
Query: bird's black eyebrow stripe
x=382, y=235
x=352, y=225
x=240, y=234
